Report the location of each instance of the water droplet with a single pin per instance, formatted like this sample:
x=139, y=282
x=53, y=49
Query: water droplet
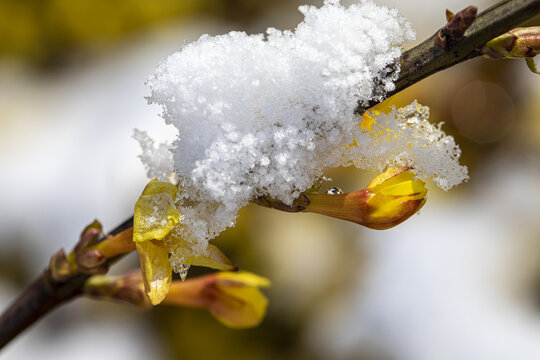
x=180, y=269
x=183, y=271
x=334, y=191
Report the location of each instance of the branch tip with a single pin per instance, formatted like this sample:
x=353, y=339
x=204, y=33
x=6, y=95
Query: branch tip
x=456, y=27
x=449, y=15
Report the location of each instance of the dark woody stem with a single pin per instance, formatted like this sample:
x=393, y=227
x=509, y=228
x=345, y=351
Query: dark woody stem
x=431, y=57
x=43, y=295
x=298, y=205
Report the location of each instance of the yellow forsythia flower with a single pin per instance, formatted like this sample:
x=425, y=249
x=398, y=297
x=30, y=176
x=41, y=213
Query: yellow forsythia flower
x=233, y=298
x=390, y=198
x=155, y=220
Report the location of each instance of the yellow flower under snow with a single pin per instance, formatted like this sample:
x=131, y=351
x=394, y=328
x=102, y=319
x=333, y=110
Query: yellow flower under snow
x=155, y=224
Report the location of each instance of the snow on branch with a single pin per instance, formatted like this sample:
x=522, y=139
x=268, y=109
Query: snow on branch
x=265, y=114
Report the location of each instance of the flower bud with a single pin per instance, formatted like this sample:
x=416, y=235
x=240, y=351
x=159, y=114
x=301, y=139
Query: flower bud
x=90, y=261
x=60, y=267
x=233, y=298
x=89, y=234
x=128, y=288
x=391, y=198
x=519, y=43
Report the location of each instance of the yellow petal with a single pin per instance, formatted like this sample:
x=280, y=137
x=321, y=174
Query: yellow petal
x=239, y=303
x=396, y=196
x=390, y=176
x=414, y=189
x=245, y=278
x=239, y=307
x=156, y=270
x=392, y=188
x=155, y=212
x=213, y=258
x=397, y=209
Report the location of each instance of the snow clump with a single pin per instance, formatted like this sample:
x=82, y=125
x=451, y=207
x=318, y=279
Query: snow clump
x=265, y=114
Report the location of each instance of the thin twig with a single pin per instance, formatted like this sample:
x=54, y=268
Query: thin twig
x=43, y=295
x=429, y=57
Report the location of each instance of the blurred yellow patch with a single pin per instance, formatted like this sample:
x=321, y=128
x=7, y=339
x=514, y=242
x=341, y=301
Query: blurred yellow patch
x=41, y=31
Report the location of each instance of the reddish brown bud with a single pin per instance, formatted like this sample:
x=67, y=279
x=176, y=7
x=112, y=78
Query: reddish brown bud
x=89, y=234
x=455, y=29
x=60, y=267
x=89, y=259
x=128, y=288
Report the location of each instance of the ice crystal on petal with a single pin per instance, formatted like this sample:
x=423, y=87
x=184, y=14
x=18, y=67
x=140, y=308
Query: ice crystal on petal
x=406, y=137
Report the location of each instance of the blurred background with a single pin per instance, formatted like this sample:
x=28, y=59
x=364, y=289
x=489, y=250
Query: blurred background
x=459, y=281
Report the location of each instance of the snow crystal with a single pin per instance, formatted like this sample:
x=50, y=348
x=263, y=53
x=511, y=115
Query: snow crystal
x=265, y=114
x=405, y=137
x=158, y=160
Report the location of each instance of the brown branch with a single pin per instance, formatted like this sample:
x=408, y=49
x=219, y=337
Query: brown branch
x=456, y=27
x=45, y=294
x=429, y=57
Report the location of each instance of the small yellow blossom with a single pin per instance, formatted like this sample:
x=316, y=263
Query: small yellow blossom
x=233, y=298
x=390, y=198
x=396, y=195
x=155, y=219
